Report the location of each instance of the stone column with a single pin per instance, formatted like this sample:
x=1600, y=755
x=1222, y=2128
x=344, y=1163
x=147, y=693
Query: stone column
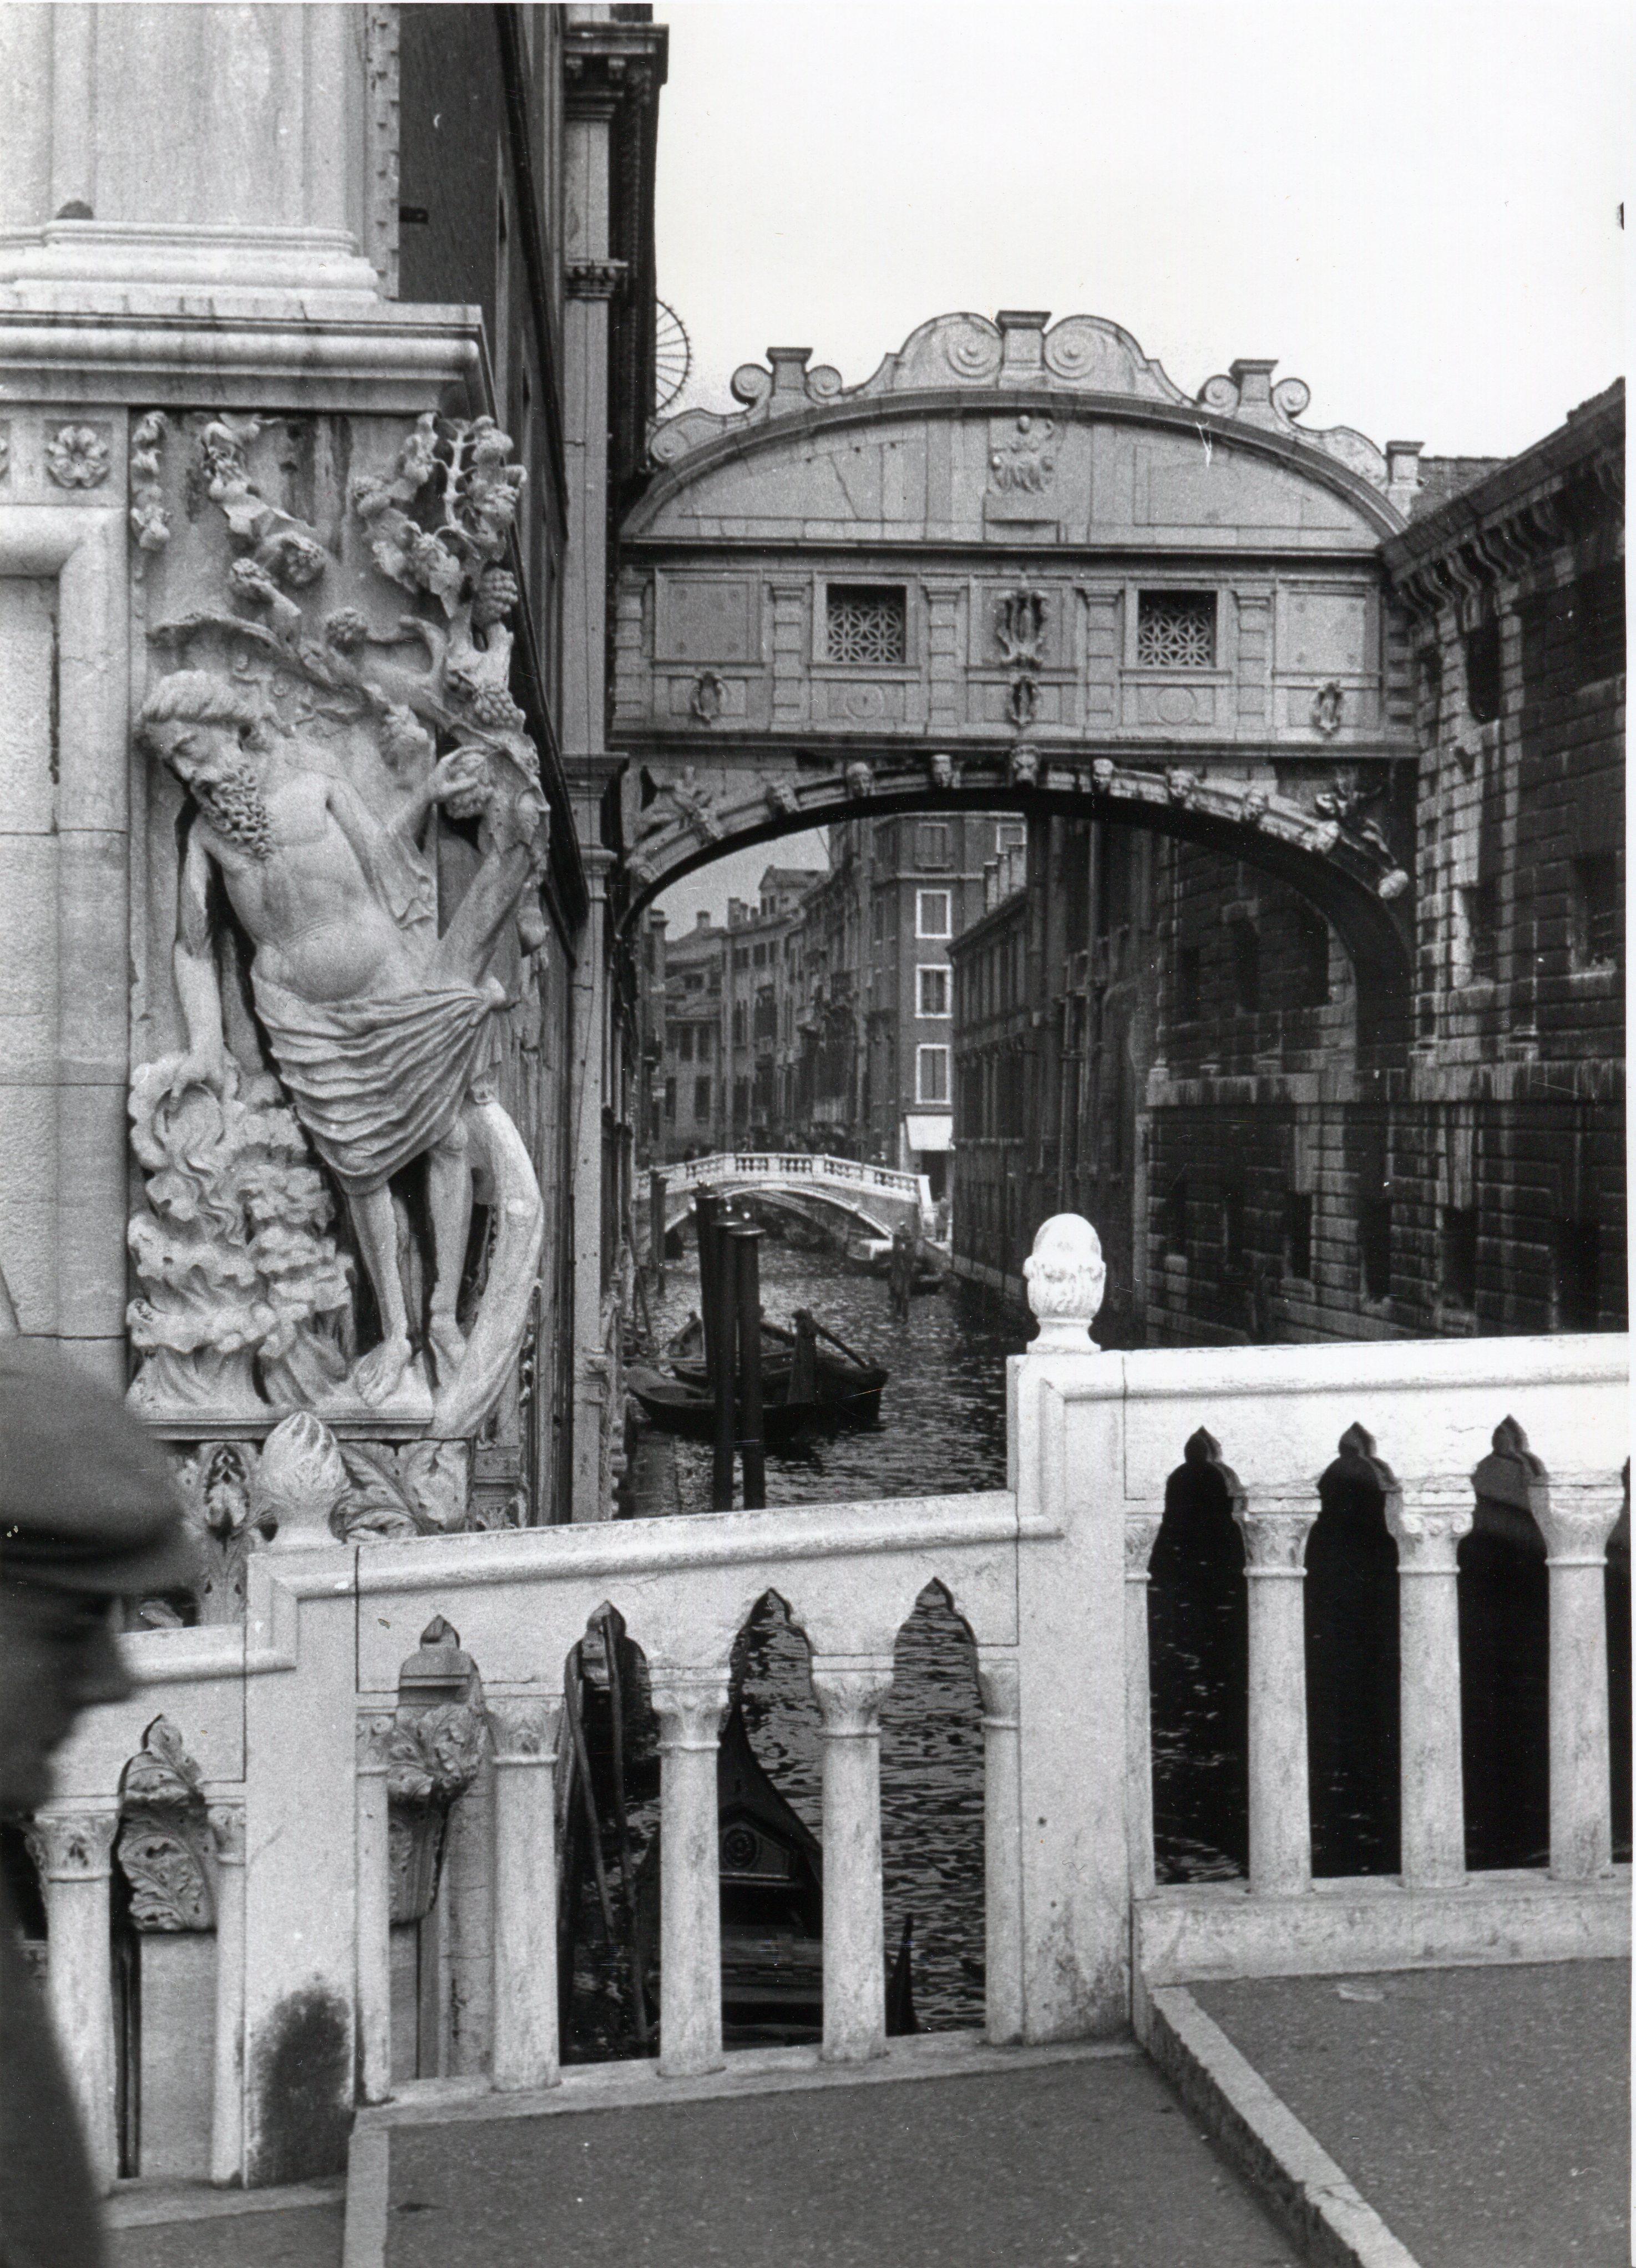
x=690, y=1706
x=591, y=1088
x=999, y=1686
x=1576, y=1524
x=226, y=1816
x=1141, y=1532
x=850, y=1691
x=374, y=1907
x=1427, y=1535
x=525, y=1890
x=72, y=1851
x=1280, y=1801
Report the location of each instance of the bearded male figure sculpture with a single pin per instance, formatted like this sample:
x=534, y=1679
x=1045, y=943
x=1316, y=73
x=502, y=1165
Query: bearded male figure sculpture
x=381, y=1031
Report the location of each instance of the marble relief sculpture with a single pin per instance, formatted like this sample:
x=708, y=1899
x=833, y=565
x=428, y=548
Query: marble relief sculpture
x=321, y=764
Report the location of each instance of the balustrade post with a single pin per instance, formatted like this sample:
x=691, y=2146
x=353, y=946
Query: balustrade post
x=374, y=1907
x=1141, y=1532
x=1280, y=1801
x=1576, y=1523
x=999, y=1685
x=227, y=1832
x=526, y=2050
x=1427, y=1535
x=849, y=1693
x=72, y=1850
x=689, y=1709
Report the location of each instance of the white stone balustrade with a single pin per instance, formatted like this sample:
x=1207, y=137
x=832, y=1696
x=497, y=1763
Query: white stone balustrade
x=288, y=1712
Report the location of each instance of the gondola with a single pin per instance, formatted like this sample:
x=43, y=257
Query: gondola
x=690, y=1410
x=842, y=1380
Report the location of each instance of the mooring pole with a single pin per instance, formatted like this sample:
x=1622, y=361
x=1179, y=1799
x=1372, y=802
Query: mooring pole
x=656, y=1223
x=724, y=1379
x=704, y=1208
x=746, y=1243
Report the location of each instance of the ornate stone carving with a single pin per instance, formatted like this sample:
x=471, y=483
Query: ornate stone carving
x=595, y=279
x=164, y=1837
x=433, y=1753
x=1025, y=462
x=1023, y=766
x=275, y=550
x=849, y=1694
x=705, y=701
x=1020, y=618
x=214, y=1483
x=942, y=770
x=1275, y=1536
x=683, y=802
x=242, y=1287
x=149, y=523
x=418, y=1490
x=780, y=796
x=225, y=1815
x=690, y=1706
x=860, y=779
x=1329, y=708
x=1428, y=1531
x=78, y=456
x=1022, y=701
x=381, y=1029
x=1065, y=1279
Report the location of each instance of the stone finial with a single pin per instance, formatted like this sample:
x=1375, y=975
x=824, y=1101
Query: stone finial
x=300, y=1481
x=1066, y=1277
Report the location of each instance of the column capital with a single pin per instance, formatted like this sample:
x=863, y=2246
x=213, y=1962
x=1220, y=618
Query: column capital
x=72, y=1846
x=999, y=1681
x=1141, y=1532
x=373, y=1737
x=851, y=1689
x=1275, y=1537
x=226, y=1816
x=690, y=1706
x=524, y=1728
x=1576, y=1520
x=1426, y=1530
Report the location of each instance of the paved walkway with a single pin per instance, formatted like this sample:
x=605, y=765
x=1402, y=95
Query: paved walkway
x=1484, y=2113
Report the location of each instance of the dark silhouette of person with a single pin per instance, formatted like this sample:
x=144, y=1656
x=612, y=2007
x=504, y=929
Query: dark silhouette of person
x=88, y=1517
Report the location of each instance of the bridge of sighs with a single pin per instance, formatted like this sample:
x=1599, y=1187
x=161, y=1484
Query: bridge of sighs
x=1016, y=568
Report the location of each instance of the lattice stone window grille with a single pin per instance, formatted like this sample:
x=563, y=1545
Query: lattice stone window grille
x=868, y=621
x=1175, y=629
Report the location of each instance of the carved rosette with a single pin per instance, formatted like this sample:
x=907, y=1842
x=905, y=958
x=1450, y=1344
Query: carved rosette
x=164, y=1846
x=78, y=456
x=850, y=1694
x=1065, y=1279
x=71, y=1846
x=1275, y=1538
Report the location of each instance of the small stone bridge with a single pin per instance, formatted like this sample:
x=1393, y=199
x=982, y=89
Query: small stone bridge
x=830, y=1192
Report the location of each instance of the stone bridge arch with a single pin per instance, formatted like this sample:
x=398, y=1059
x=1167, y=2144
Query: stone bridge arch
x=1019, y=569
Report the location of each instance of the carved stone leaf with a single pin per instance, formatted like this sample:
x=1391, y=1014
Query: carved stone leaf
x=434, y=1483
x=169, y=1889
x=377, y=1504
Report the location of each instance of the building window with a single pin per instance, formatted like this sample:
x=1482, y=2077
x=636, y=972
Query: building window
x=701, y=1098
x=1246, y=942
x=1485, y=676
x=1596, y=611
x=737, y=1023
x=1374, y=1247
x=932, y=987
x=1459, y=1268
x=670, y=1102
x=707, y=1033
x=1172, y=1217
x=1187, y=984
x=932, y=843
x=1576, y=1275
x=684, y=1043
x=1312, y=957
x=868, y=623
x=1595, y=905
x=1298, y=1233
x=1476, y=934
x=1175, y=629
x=933, y=913
x=931, y=1074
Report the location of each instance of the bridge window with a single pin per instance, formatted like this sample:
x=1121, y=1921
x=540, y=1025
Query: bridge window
x=933, y=913
x=933, y=991
x=931, y=1074
x=868, y=621
x=1175, y=629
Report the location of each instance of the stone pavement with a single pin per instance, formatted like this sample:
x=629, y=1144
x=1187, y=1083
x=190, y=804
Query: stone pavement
x=1484, y=2113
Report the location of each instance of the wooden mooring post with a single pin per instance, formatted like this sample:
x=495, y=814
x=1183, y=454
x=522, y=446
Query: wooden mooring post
x=656, y=1224
x=746, y=1246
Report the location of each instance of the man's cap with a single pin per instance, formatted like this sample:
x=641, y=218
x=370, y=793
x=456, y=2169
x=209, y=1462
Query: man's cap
x=87, y=1502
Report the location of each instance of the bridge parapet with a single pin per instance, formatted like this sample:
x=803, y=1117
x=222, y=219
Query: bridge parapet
x=1048, y=1575
x=891, y=1196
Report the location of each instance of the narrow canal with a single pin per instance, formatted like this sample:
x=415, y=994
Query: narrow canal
x=942, y=1428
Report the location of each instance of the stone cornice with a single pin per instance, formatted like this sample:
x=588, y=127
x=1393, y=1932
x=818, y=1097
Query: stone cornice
x=606, y=65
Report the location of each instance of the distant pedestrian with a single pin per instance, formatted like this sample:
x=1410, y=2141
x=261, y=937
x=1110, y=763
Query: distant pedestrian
x=88, y=1516
x=902, y=1263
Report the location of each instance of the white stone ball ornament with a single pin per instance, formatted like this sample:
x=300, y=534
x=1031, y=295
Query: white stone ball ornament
x=1065, y=1278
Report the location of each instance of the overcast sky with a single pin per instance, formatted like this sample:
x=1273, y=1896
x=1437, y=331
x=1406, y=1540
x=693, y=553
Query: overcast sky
x=1414, y=207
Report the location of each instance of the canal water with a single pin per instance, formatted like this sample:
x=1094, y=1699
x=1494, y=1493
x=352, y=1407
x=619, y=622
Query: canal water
x=942, y=1427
